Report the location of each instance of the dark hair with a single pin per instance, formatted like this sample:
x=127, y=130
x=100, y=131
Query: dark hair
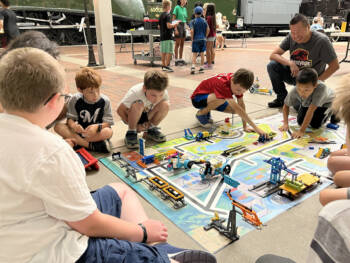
x=5, y=2
x=211, y=12
x=243, y=77
x=199, y=3
x=299, y=18
x=33, y=39
x=156, y=80
x=307, y=75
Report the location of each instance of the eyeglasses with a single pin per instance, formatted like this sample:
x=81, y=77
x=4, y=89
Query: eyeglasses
x=66, y=98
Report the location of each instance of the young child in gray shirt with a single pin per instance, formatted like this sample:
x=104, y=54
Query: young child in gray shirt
x=311, y=99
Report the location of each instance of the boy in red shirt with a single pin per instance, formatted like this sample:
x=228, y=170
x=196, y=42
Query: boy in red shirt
x=216, y=93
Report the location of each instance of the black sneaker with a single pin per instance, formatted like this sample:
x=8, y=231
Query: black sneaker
x=225, y=46
x=334, y=119
x=164, y=68
x=193, y=70
x=101, y=147
x=169, y=69
x=201, y=70
x=177, y=63
x=131, y=141
x=275, y=104
x=155, y=135
x=194, y=256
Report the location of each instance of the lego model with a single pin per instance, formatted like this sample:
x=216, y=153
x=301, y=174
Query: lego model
x=203, y=136
x=188, y=134
x=142, y=146
x=129, y=170
x=277, y=165
x=303, y=183
x=255, y=88
x=87, y=159
x=343, y=146
x=323, y=153
x=167, y=191
x=322, y=140
x=269, y=137
x=332, y=126
x=234, y=150
x=175, y=161
x=211, y=169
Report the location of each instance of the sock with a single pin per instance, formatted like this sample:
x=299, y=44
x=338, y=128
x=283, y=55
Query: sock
x=132, y=130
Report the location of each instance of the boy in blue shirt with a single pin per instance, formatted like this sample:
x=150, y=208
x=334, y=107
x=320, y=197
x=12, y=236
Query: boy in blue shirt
x=199, y=33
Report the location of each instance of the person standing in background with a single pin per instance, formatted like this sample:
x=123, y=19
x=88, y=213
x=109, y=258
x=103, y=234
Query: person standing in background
x=7, y=23
x=180, y=13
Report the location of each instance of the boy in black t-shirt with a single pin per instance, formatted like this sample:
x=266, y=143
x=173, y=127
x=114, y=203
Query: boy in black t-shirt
x=166, y=36
x=89, y=115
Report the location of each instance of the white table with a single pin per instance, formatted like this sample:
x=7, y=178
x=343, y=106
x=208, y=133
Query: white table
x=123, y=39
x=346, y=35
x=243, y=35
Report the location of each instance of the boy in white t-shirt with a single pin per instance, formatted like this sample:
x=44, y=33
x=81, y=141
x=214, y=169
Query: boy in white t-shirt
x=47, y=213
x=144, y=106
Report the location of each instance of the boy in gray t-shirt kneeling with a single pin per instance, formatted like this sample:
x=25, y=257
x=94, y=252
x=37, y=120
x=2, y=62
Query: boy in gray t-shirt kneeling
x=311, y=99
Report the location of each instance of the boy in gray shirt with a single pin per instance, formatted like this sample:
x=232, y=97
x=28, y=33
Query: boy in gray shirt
x=311, y=99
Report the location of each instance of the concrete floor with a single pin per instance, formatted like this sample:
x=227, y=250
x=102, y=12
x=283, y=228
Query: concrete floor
x=290, y=233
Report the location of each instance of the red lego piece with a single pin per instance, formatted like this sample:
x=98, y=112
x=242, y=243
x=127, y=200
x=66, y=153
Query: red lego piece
x=88, y=160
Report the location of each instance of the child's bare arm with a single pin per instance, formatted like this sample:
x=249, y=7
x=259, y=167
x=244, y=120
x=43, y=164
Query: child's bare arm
x=241, y=103
x=285, y=125
x=308, y=117
x=241, y=112
x=192, y=34
x=102, y=225
x=123, y=113
x=75, y=126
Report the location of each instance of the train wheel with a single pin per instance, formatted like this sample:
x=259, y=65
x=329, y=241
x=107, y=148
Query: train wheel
x=190, y=164
x=227, y=169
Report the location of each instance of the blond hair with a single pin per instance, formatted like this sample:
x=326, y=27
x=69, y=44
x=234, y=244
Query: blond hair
x=166, y=4
x=28, y=77
x=156, y=80
x=341, y=103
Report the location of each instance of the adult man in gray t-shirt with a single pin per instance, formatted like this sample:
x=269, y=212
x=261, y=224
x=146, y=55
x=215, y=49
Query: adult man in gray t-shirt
x=307, y=49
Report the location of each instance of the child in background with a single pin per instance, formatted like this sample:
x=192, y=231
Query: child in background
x=166, y=36
x=89, y=114
x=339, y=161
x=209, y=13
x=311, y=99
x=144, y=106
x=180, y=13
x=216, y=93
x=56, y=208
x=199, y=32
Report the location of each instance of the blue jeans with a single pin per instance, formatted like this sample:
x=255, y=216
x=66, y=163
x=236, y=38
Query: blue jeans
x=112, y=250
x=279, y=74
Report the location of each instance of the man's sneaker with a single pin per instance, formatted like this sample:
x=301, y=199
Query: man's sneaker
x=164, y=68
x=203, y=120
x=177, y=63
x=275, y=104
x=131, y=141
x=155, y=134
x=210, y=120
x=169, y=69
x=193, y=70
x=193, y=256
x=101, y=147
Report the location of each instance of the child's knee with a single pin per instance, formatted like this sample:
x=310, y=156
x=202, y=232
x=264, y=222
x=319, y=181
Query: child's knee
x=107, y=132
x=60, y=127
x=164, y=105
x=137, y=106
x=122, y=189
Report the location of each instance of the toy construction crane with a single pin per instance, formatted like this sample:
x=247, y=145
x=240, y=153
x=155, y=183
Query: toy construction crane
x=277, y=165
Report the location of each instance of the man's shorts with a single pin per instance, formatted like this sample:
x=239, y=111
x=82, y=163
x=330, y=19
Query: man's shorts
x=199, y=46
x=111, y=250
x=181, y=30
x=143, y=118
x=167, y=46
x=200, y=102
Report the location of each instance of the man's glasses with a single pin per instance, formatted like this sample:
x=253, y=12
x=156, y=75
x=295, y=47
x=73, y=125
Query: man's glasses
x=66, y=98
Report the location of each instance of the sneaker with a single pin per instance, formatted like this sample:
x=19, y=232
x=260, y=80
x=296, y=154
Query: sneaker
x=275, y=104
x=169, y=69
x=201, y=70
x=194, y=256
x=101, y=147
x=225, y=46
x=131, y=140
x=193, y=70
x=177, y=63
x=334, y=119
x=203, y=120
x=164, y=68
x=155, y=135
x=207, y=66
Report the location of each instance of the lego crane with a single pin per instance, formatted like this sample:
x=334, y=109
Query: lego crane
x=277, y=165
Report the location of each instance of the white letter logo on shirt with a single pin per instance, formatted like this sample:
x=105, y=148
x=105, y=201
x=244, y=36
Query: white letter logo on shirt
x=85, y=115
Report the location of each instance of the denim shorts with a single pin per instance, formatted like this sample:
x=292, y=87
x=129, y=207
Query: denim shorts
x=111, y=250
x=200, y=102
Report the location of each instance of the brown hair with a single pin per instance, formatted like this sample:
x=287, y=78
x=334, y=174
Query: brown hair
x=166, y=4
x=28, y=77
x=87, y=78
x=341, y=103
x=243, y=77
x=156, y=80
